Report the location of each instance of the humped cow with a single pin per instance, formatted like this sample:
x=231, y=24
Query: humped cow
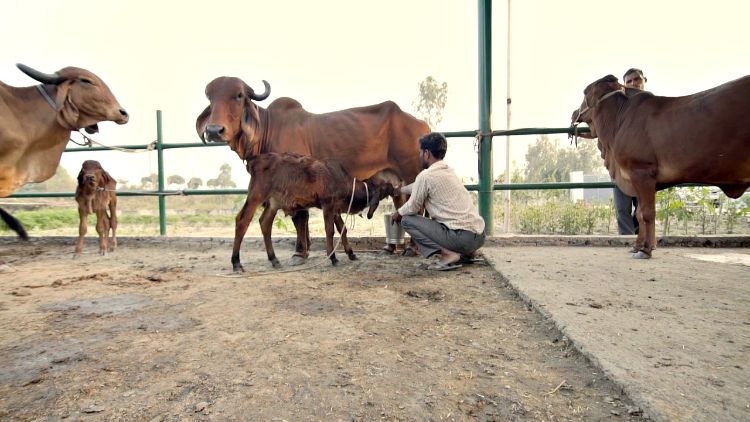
x=36, y=122
x=365, y=140
x=650, y=142
x=293, y=182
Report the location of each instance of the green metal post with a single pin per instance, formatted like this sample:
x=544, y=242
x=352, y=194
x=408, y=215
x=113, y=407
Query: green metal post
x=160, y=155
x=485, y=114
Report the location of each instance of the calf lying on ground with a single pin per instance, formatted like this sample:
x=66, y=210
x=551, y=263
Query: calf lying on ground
x=96, y=194
x=293, y=182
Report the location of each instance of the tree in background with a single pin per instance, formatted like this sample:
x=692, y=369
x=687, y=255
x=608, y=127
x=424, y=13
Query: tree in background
x=150, y=182
x=62, y=181
x=224, y=179
x=175, y=179
x=195, y=183
x=431, y=101
x=546, y=161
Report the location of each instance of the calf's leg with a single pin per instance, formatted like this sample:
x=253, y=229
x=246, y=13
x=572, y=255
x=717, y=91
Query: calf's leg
x=83, y=224
x=341, y=227
x=266, y=226
x=113, y=221
x=102, y=228
x=240, y=228
x=328, y=217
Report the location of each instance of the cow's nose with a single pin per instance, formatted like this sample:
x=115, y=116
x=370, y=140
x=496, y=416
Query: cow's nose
x=89, y=177
x=124, y=113
x=214, y=130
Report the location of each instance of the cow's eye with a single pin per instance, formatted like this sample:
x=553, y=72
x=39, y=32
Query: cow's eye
x=86, y=81
x=238, y=97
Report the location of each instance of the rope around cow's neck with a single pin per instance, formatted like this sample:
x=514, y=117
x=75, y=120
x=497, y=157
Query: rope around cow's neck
x=585, y=107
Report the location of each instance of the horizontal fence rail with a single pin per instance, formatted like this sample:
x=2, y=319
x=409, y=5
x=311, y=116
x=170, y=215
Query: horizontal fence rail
x=161, y=193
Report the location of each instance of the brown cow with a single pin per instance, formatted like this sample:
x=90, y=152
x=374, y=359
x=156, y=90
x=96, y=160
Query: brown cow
x=95, y=193
x=365, y=139
x=293, y=182
x=651, y=143
x=36, y=121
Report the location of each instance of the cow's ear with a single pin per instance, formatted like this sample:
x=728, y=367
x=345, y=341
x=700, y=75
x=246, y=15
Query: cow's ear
x=80, y=177
x=67, y=114
x=200, y=122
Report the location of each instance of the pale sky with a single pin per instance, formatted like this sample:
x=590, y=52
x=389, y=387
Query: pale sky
x=337, y=54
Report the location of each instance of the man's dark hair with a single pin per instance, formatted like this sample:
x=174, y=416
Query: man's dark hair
x=634, y=70
x=435, y=143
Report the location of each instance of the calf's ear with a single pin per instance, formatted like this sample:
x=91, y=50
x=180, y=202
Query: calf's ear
x=80, y=178
x=107, y=179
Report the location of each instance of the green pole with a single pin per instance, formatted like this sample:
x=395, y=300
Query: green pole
x=160, y=155
x=485, y=114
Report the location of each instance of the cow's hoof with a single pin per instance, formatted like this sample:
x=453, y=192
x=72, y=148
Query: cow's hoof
x=641, y=255
x=275, y=263
x=238, y=269
x=352, y=257
x=297, y=260
x=334, y=261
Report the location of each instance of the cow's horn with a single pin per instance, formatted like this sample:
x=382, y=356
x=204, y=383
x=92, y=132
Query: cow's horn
x=39, y=76
x=264, y=95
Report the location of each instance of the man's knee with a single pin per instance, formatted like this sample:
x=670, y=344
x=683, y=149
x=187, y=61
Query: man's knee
x=408, y=221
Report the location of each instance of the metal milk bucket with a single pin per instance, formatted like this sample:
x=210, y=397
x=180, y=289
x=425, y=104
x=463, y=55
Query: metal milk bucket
x=394, y=233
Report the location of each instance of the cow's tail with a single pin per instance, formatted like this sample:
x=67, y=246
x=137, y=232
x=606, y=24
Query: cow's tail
x=14, y=224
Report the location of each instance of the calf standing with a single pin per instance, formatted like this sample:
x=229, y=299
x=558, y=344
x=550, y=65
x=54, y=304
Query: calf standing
x=96, y=194
x=293, y=182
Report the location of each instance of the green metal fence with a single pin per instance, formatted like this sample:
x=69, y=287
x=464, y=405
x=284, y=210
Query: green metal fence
x=162, y=193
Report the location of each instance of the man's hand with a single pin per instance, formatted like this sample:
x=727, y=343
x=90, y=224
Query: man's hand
x=395, y=218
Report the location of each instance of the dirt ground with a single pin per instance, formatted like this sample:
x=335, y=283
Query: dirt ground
x=160, y=330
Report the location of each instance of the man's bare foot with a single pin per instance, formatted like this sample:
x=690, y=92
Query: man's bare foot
x=449, y=257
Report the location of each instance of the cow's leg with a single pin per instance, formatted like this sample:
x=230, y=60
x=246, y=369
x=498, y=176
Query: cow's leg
x=300, y=220
x=240, y=228
x=645, y=242
x=328, y=218
x=113, y=222
x=83, y=225
x=102, y=228
x=341, y=227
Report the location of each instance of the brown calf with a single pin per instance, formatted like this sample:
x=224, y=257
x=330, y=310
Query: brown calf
x=293, y=182
x=96, y=194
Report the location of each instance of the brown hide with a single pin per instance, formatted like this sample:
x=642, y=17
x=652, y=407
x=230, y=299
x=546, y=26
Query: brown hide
x=95, y=194
x=650, y=142
x=292, y=182
x=33, y=135
x=364, y=139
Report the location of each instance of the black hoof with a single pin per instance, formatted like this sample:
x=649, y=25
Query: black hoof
x=275, y=263
x=352, y=257
x=238, y=269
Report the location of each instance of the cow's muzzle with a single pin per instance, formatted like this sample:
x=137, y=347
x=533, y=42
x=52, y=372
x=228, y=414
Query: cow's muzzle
x=214, y=133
